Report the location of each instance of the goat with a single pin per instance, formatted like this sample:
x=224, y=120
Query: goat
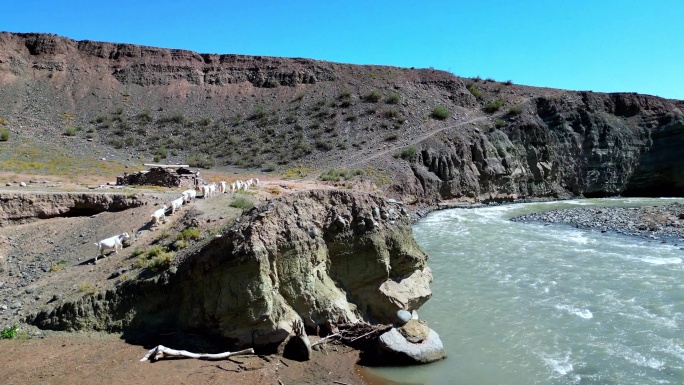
x=110, y=243
x=189, y=195
x=176, y=204
x=212, y=189
x=222, y=186
x=159, y=215
x=205, y=191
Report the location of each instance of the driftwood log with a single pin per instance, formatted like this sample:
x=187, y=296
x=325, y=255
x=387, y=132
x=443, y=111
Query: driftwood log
x=162, y=351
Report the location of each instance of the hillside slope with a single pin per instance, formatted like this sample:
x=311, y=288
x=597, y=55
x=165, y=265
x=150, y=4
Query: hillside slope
x=420, y=134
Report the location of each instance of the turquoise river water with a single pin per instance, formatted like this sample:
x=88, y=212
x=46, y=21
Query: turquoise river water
x=521, y=304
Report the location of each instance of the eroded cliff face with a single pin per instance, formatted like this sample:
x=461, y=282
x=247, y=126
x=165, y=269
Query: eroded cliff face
x=17, y=208
x=573, y=144
x=318, y=256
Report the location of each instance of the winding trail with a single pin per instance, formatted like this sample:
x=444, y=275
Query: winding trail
x=427, y=135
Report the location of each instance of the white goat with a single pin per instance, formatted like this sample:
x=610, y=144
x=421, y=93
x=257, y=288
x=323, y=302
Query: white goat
x=189, y=195
x=176, y=204
x=110, y=243
x=212, y=189
x=223, y=187
x=159, y=215
x=205, y=191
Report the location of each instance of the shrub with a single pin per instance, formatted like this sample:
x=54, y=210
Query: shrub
x=269, y=167
x=70, y=131
x=161, y=261
x=493, y=106
x=499, y=123
x=137, y=252
x=241, y=202
x=515, y=110
x=200, y=160
x=162, y=152
x=323, y=145
x=390, y=114
x=508, y=82
x=177, y=118
x=407, y=152
x=476, y=92
x=393, y=98
x=4, y=135
x=258, y=113
x=180, y=244
x=440, y=113
x=391, y=137
x=192, y=233
x=58, y=266
x=9, y=332
x=372, y=96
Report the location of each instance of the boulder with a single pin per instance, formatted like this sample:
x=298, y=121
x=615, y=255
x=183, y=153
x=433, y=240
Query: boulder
x=403, y=317
x=396, y=349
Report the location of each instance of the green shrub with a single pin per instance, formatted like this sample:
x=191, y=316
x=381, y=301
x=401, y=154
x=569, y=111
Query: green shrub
x=407, y=152
x=9, y=332
x=390, y=114
x=192, y=233
x=58, y=266
x=180, y=244
x=372, y=96
x=476, y=92
x=499, y=123
x=323, y=145
x=493, y=106
x=200, y=160
x=177, y=118
x=137, y=252
x=440, y=113
x=269, y=167
x=391, y=137
x=70, y=131
x=393, y=98
x=241, y=202
x=162, y=152
x=259, y=113
x=515, y=110
x=4, y=135
x=161, y=261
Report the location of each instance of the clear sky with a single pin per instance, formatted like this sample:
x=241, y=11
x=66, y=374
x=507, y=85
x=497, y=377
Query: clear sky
x=599, y=45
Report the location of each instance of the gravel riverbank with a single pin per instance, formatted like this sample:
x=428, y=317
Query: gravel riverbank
x=664, y=223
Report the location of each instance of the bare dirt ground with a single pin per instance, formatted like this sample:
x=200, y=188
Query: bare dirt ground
x=29, y=252
x=106, y=359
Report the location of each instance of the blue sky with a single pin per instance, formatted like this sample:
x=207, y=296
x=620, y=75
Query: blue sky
x=599, y=45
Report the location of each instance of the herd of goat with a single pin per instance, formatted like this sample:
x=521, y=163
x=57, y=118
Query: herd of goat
x=207, y=190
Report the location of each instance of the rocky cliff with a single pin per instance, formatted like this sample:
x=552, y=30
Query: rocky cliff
x=318, y=256
x=575, y=143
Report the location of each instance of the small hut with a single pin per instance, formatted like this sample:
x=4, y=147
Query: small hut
x=165, y=175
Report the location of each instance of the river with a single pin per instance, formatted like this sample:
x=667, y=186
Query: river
x=519, y=303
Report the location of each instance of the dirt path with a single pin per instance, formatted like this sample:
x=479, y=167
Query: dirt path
x=410, y=142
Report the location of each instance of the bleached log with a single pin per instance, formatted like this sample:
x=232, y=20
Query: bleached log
x=160, y=351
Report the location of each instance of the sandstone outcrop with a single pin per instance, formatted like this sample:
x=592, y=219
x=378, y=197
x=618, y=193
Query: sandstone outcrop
x=315, y=256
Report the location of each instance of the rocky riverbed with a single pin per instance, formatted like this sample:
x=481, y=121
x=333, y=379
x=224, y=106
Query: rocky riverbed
x=664, y=223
